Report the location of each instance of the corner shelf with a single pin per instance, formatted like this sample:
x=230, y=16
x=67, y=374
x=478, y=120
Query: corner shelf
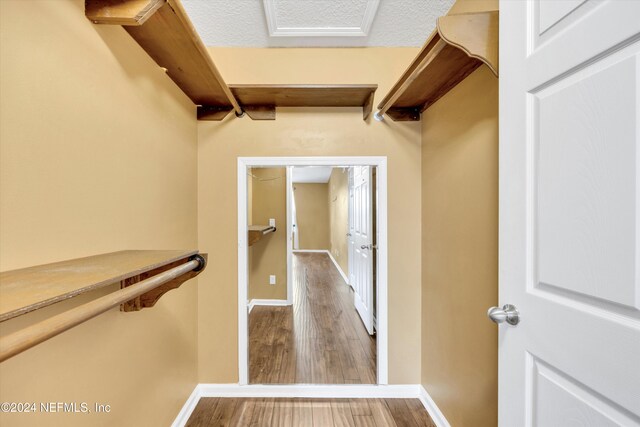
x=459, y=45
x=163, y=29
x=257, y=232
x=260, y=101
x=28, y=289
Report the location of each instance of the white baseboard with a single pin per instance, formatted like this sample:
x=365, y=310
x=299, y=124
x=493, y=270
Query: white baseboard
x=434, y=412
x=273, y=302
x=187, y=408
x=344, y=276
x=324, y=251
x=328, y=391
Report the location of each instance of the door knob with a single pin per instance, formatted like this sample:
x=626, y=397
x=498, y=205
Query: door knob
x=508, y=313
x=364, y=247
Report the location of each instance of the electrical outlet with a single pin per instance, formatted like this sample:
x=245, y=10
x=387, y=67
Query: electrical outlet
x=272, y=279
x=272, y=222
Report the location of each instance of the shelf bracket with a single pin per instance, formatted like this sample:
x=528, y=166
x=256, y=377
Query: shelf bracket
x=149, y=299
x=213, y=112
x=404, y=114
x=260, y=112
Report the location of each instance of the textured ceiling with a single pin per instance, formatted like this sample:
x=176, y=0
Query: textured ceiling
x=319, y=13
x=242, y=23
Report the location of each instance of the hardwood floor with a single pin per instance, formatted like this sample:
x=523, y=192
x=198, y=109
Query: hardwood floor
x=320, y=340
x=240, y=412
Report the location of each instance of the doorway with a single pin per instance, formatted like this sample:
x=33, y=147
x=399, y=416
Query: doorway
x=305, y=338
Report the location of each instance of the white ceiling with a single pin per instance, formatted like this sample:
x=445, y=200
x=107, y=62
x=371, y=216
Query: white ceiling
x=308, y=23
x=312, y=174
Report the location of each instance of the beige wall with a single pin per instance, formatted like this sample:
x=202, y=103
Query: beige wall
x=269, y=255
x=460, y=248
x=339, y=217
x=307, y=132
x=312, y=215
x=97, y=154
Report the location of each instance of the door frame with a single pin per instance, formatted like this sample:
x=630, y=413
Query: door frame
x=244, y=163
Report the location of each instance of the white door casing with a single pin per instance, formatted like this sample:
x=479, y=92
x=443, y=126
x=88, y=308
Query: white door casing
x=362, y=236
x=570, y=212
x=350, y=235
x=380, y=163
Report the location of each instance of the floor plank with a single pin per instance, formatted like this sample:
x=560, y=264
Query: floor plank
x=243, y=412
x=341, y=413
x=283, y=413
x=262, y=413
x=419, y=414
x=318, y=340
x=401, y=413
x=381, y=414
x=321, y=410
x=203, y=412
x=303, y=414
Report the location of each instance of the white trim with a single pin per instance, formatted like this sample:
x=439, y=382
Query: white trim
x=188, y=407
x=276, y=30
x=344, y=276
x=243, y=275
x=289, y=197
x=318, y=391
x=272, y=302
x=382, y=283
x=327, y=391
x=382, y=297
x=325, y=251
x=434, y=412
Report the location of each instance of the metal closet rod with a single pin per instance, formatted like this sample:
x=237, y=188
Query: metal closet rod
x=30, y=336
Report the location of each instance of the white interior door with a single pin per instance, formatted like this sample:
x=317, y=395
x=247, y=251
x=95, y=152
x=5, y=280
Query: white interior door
x=570, y=213
x=362, y=247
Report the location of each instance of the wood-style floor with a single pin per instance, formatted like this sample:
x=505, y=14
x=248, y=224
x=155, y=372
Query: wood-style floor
x=240, y=412
x=320, y=340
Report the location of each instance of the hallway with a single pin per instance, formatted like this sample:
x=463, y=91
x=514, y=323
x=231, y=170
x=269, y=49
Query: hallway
x=320, y=340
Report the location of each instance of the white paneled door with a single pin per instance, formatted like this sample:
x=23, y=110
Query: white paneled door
x=361, y=244
x=570, y=213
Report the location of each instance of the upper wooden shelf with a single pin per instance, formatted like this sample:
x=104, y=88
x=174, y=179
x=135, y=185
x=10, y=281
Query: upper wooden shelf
x=28, y=289
x=459, y=45
x=163, y=29
x=260, y=101
x=256, y=232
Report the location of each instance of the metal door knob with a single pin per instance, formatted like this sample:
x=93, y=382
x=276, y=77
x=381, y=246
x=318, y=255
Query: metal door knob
x=508, y=313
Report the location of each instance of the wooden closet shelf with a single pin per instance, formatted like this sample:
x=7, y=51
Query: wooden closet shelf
x=28, y=289
x=257, y=232
x=163, y=29
x=260, y=101
x=459, y=45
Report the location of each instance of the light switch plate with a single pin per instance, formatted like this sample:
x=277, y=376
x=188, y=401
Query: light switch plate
x=272, y=222
x=272, y=279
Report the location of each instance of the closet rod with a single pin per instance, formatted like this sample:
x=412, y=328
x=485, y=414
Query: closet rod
x=30, y=336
